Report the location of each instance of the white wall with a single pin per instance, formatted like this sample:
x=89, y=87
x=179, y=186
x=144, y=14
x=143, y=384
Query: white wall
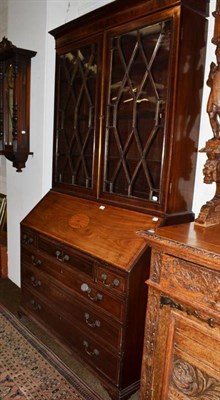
x=28, y=24
x=26, y=29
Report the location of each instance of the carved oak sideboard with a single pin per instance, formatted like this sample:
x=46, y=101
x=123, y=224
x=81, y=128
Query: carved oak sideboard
x=181, y=358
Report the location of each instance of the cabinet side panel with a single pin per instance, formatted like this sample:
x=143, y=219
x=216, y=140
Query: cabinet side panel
x=187, y=110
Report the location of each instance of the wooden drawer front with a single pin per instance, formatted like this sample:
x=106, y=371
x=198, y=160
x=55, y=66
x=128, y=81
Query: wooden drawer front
x=62, y=273
x=82, y=285
x=96, y=356
x=104, y=301
x=111, y=280
x=28, y=238
x=89, y=320
x=67, y=256
x=191, y=281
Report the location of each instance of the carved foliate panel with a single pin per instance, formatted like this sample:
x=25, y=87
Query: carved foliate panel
x=149, y=344
x=195, y=362
x=194, y=281
x=192, y=382
x=155, y=266
x=192, y=357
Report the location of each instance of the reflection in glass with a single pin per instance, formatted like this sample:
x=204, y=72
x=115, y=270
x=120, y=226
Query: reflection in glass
x=136, y=111
x=9, y=101
x=77, y=73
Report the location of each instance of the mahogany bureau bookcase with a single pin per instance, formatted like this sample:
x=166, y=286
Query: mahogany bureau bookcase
x=129, y=79
x=181, y=358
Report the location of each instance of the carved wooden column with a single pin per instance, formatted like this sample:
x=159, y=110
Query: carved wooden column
x=210, y=212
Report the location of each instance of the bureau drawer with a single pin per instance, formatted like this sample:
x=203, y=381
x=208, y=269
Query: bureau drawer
x=191, y=281
x=62, y=273
x=91, y=351
x=81, y=284
x=110, y=279
x=28, y=238
x=89, y=320
x=66, y=255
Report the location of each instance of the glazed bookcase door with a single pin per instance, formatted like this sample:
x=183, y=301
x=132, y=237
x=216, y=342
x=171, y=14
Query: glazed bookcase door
x=137, y=113
x=77, y=72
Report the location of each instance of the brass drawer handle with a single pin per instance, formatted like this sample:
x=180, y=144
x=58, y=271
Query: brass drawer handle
x=36, y=306
x=35, y=283
x=114, y=283
x=94, y=352
x=60, y=257
x=86, y=289
x=27, y=239
x=35, y=261
x=94, y=324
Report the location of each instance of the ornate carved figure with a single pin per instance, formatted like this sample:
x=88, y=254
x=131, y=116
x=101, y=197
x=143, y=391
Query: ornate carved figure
x=213, y=106
x=210, y=170
x=210, y=212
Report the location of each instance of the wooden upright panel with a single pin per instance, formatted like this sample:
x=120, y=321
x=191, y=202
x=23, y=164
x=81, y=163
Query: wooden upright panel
x=181, y=356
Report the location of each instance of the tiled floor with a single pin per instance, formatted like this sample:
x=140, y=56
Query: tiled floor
x=10, y=297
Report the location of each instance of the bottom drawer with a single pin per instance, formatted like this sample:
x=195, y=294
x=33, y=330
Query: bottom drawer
x=98, y=358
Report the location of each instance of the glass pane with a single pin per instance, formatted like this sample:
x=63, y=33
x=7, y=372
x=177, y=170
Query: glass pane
x=136, y=111
x=76, y=116
x=9, y=102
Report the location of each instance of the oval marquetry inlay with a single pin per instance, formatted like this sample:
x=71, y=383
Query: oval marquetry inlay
x=79, y=221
